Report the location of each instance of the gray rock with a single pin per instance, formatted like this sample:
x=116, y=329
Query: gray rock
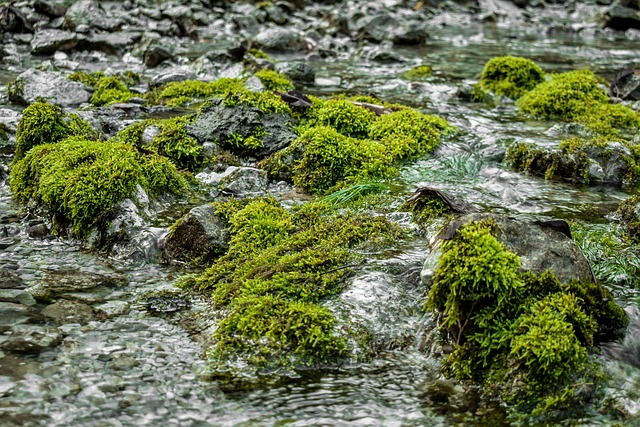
x=155, y=54
x=245, y=182
x=280, y=40
x=111, y=309
x=539, y=247
x=38, y=231
x=383, y=26
x=199, y=234
x=50, y=41
x=17, y=296
x=173, y=74
x=65, y=311
x=10, y=280
x=110, y=43
x=90, y=13
x=75, y=284
x=31, y=339
x=12, y=314
x=52, y=86
x=620, y=17
x=53, y=8
x=300, y=72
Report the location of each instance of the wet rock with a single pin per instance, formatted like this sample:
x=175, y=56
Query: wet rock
x=245, y=182
x=540, y=245
x=216, y=123
x=38, y=231
x=173, y=74
x=90, y=13
x=65, y=311
x=75, y=284
x=50, y=41
x=110, y=43
x=12, y=20
x=155, y=54
x=620, y=17
x=12, y=314
x=300, y=72
x=52, y=86
x=53, y=8
x=280, y=40
x=6, y=385
x=626, y=85
x=17, y=296
x=31, y=339
x=111, y=309
x=384, y=26
x=10, y=280
x=199, y=234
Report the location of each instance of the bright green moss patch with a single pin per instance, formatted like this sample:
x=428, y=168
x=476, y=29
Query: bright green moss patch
x=43, y=123
x=179, y=93
x=108, y=89
x=273, y=80
x=266, y=102
x=421, y=72
x=629, y=214
x=172, y=141
x=279, y=268
x=524, y=336
x=509, y=76
x=425, y=210
x=78, y=181
x=345, y=117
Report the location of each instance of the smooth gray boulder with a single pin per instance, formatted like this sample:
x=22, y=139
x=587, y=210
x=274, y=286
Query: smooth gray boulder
x=65, y=311
x=200, y=234
x=110, y=43
x=90, y=13
x=245, y=182
x=52, y=86
x=280, y=39
x=541, y=245
x=51, y=41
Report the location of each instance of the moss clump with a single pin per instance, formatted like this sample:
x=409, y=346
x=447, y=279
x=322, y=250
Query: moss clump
x=89, y=79
x=425, y=210
x=279, y=268
x=344, y=116
x=510, y=76
x=408, y=133
x=110, y=90
x=257, y=53
x=525, y=337
x=180, y=93
x=266, y=102
x=78, y=181
x=172, y=141
x=421, y=72
x=324, y=158
x=43, y=123
x=630, y=217
x=273, y=80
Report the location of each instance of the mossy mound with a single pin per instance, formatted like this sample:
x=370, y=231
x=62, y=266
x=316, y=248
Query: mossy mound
x=629, y=214
x=524, y=337
x=108, y=89
x=345, y=117
x=171, y=141
x=180, y=93
x=419, y=73
x=273, y=80
x=279, y=268
x=510, y=76
x=77, y=181
x=43, y=123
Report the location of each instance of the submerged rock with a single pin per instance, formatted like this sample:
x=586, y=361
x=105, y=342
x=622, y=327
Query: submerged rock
x=75, y=284
x=56, y=88
x=200, y=234
x=245, y=182
x=31, y=339
x=65, y=311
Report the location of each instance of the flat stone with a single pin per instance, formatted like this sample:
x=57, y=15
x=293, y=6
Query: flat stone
x=10, y=280
x=31, y=339
x=111, y=43
x=81, y=285
x=51, y=41
x=49, y=85
x=17, y=296
x=65, y=311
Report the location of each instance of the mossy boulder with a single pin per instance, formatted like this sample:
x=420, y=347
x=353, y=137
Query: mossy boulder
x=629, y=213
x=509, y=76
x=273, y=80
x=418, y=73
x=520, y=306
x=77, y=182
x=43, y=123
x=272, y=282
x=108, y=89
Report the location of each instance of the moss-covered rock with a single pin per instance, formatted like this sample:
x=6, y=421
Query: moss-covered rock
x=510, y=76
x=43, y=123
x=629, y=213
x=189, y=91
x=77, y=181
x=279, y=268
x=345, y=117
x=108, y=89
x=419, y=73
x=524, y=336
x=273, y=80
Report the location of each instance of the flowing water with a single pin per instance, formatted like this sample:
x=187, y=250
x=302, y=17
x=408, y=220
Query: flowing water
x=139, y=369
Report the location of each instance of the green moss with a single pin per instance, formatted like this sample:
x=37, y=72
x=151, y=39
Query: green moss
x=110, y=90
x=345, y=117
x=425, y=210
x=180, y=93
x=279, y=268
x=629, y=218
x=79, y=181
x=524, y=336
x=408, y=133
x=509, y=76
x=43, y=123
x=419, y=73
x=564, y=96
x=89, y=79
x=266, y=102
x=257, y=53
x=273, y=80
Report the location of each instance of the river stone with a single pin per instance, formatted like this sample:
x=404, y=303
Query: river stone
x=620, y=17
x=245, y=182
x=65, y=311
x=540, y=247
x=52, y=86
x=31, y=339
x=300, y=72
x=173, y=74
x=17, y=296
x=12, y=314
x=280, y=40
x=111, y=309
x=110, y=43
x=90, y=13
x=75, y=284
x=52, y=8
x=10, y=280
x=50, y=41
x=200, y=233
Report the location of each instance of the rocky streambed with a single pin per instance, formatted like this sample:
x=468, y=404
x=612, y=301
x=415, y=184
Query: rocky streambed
x=242, y=213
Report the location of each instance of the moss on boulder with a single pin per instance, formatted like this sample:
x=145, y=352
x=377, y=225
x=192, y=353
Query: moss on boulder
x=510, y=76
